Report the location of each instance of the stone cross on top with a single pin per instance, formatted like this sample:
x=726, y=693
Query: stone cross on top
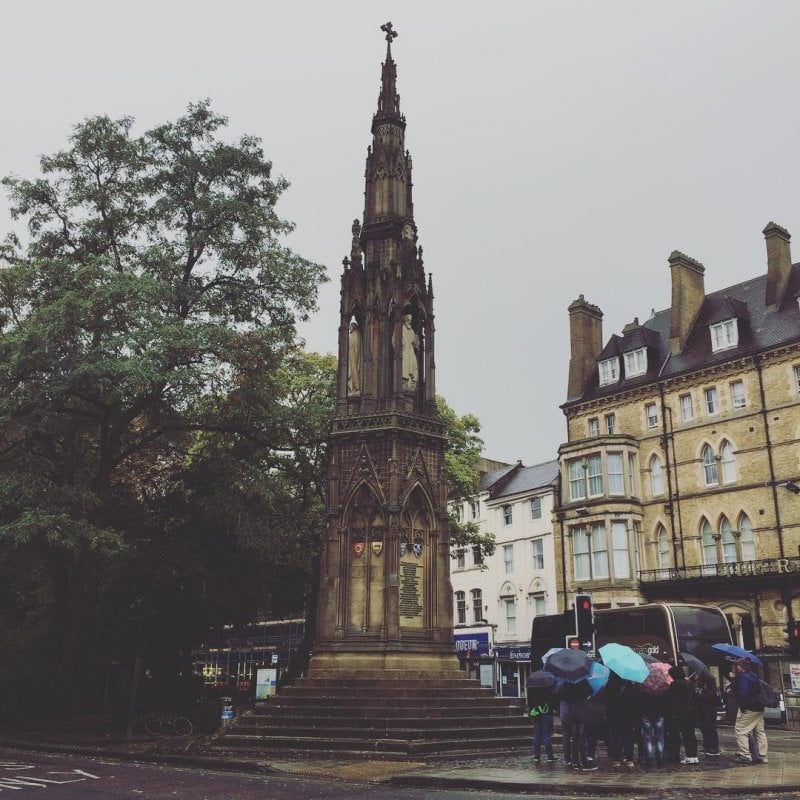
x=389, y=31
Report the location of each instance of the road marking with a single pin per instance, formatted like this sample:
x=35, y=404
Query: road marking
x=18, y=782
x=77, y=772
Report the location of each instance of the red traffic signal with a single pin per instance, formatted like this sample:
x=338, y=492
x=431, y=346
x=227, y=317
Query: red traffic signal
x=584, y=616
x=794, y=638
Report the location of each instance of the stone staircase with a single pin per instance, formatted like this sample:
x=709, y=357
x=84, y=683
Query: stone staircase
x=387, y=717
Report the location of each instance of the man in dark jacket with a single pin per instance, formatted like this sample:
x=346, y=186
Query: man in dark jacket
x=751, y=713
x=680, y=708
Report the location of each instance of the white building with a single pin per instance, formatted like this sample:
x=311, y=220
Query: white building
x=496, y=601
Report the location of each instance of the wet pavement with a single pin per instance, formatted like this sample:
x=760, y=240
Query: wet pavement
x=509, y=773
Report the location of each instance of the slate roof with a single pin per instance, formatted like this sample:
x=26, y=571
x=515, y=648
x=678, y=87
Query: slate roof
x=759, y=331
x=525, y=479
x=488, y=479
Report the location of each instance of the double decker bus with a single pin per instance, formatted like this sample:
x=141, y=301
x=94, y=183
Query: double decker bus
x=661, y=630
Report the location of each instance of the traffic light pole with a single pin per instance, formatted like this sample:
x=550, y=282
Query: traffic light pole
x=584, y=622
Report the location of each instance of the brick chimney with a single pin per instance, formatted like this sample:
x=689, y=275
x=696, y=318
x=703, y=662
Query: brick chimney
x=688, y=293
x=586, y=342
x=779, y=264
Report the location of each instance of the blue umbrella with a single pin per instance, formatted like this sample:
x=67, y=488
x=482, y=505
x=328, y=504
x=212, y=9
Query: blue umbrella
x=550, y=652
x=737, y=652
x=599, y=677
x=625, y=661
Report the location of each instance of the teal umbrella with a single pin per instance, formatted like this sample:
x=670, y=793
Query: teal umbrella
x=599, y=677
x=625, y=662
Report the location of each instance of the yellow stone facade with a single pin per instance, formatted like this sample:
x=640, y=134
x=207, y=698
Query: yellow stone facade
x=674, y=484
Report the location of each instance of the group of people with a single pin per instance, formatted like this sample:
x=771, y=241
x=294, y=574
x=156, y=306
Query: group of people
x=662, y=725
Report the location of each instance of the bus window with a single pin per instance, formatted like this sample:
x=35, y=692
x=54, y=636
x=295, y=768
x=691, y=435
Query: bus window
x=697, y=628
x=646, y=629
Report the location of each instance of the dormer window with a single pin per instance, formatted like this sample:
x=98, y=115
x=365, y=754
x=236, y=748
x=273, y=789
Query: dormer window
x=635, y=362
x=724, y=335
x=609, y=370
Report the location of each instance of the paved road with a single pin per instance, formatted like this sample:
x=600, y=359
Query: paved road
x=39, y=775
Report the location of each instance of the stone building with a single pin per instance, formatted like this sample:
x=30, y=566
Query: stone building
x=679, y=474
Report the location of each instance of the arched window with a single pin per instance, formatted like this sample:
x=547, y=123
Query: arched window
x=727, y=461
x=709, y=466
x=708, y=543
x=656, y=476
x=663, y=555
x=727, y=541
x=747, y=541
x=477, y=605
x=461, y=608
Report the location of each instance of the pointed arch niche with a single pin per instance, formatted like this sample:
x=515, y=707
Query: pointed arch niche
x=365, y=526
x=417, y=561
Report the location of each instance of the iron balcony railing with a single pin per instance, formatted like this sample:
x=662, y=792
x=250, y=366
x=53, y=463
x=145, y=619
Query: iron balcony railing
x=736, y=569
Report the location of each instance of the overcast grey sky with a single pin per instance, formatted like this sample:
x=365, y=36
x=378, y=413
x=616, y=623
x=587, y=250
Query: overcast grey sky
x=559, y=148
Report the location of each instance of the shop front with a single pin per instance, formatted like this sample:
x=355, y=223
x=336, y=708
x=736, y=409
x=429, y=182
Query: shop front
x=512, y=665
x=473, y=649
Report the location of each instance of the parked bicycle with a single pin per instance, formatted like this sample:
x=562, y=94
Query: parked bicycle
x=175, y=724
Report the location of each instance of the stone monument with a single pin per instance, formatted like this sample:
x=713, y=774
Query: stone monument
x=383, y=678
x=385, y=599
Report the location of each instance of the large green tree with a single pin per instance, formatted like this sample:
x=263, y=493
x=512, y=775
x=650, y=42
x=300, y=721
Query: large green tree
x=147, y=321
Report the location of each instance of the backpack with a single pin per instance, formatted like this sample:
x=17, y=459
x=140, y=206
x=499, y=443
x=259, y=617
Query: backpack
x=537, y=711
x=767, y=696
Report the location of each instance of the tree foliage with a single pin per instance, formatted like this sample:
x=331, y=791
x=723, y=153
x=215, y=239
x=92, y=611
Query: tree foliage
x=149, y=372
x=462, y=461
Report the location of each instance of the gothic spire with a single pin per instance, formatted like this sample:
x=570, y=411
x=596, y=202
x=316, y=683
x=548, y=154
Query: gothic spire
x=388, y=100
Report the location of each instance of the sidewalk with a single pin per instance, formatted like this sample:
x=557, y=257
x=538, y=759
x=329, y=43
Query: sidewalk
x=515, y=773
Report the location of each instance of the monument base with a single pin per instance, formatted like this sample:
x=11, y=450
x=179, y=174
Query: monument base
x=386, y=665
x=347, y=706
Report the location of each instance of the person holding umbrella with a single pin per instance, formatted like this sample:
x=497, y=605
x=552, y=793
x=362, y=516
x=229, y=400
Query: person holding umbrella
x=572, y=668
x=679, y=702
x=750, y=718
x=541, y=704
x=706, y=698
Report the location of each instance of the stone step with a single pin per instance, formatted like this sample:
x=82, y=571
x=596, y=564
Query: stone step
x=386, y=732
x=376, y=701
x=389, y=690
x=387, y=747
x=252, y=724
x=457, y=681
x=355, y=712
x=396, y=718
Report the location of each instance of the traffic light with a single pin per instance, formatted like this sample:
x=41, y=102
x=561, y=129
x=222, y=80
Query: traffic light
x=794, y=638
x=584, y=617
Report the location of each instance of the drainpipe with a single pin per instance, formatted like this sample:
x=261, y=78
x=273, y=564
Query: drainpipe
x=672, y=506
x=765, y=415
x=560, y=518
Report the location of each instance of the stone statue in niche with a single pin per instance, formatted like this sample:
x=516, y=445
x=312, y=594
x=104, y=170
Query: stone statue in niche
x=354, y=359
x=410, y=354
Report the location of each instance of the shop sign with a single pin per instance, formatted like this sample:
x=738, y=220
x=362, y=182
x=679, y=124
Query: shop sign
x=794, y=676
x=476, y=643
x=520, y=653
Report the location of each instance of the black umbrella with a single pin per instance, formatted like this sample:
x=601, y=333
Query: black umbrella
x=693, y=663
x=569, y=665
x=540, y=680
